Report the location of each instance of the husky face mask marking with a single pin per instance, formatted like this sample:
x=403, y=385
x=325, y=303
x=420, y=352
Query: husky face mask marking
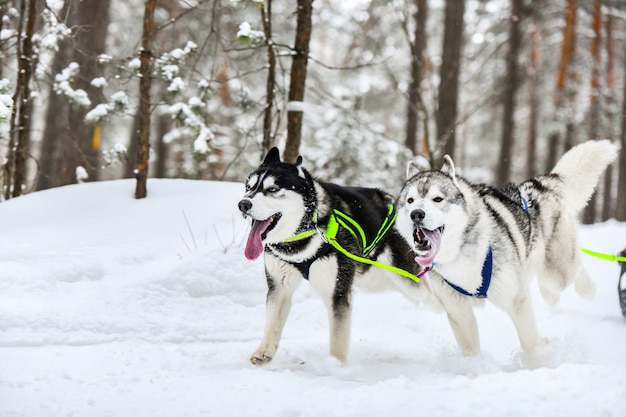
x=426, y=204
x=273, y=202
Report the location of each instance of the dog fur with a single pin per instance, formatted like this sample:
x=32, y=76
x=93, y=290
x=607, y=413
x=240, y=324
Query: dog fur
x=451, y=223
x=282, y=200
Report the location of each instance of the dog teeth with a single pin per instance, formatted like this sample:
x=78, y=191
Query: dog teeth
x=421, y=242
x=417, y=235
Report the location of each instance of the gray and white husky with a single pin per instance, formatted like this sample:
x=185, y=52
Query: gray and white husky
x=484, y=242
x=290, y=213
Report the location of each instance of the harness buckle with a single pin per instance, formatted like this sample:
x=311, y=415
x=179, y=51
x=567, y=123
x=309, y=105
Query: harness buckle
x=321, y=233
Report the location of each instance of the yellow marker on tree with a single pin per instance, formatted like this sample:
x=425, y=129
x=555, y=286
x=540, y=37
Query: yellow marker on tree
x=95, y=142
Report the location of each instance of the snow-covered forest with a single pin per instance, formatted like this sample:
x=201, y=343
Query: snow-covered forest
x=114, y=305
x=504, y=86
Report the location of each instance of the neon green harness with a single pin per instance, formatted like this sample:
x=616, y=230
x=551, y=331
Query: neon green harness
x=605, y=256
x=338, y=219
x=348, y=223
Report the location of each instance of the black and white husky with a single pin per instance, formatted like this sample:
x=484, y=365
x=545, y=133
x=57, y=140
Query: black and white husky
x=291, y=213
x=483, y=242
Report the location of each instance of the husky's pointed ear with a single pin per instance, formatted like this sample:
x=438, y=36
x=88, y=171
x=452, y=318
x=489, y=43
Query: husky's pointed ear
x=299, y=167
x=272, y=157
x=412, y=169
x=448, y=167
x=417, y=165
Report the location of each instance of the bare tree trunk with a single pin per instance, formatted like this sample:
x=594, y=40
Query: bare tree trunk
x=19, y=142
x=266, y=16
x=27, y=65
x=511, y=85
x=4, y=4
x=620, y=205
x=133, y=147
x=567, y=52
x=67, y=140
x=417, y=65
x=554, y=142
x=145, y=56
x=594, y=105
x=449, y=75
x=531, y=156
x=298, y=80
x=163, y=125
x=567, y=56
x=620, y=212
x=607, y=196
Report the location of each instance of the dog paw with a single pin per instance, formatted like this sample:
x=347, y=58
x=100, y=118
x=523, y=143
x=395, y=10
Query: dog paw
x=537, y=345
x=543, y=341
x=470, y=352
x=260, y=358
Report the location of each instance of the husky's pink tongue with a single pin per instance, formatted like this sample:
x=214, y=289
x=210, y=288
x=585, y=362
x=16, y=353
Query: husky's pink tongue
x=254, y=246
x=434, y=237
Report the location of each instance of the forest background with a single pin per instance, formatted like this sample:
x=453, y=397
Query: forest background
x=104, y=89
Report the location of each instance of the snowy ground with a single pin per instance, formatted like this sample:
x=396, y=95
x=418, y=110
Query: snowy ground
x=115, y=307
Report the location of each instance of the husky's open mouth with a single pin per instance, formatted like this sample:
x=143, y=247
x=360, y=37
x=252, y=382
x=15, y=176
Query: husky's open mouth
x=427, y=244
x=258, y=232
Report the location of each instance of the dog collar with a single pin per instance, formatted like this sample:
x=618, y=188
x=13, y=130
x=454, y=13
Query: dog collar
x=486, y=273
x=306, y=232
x=302, y=235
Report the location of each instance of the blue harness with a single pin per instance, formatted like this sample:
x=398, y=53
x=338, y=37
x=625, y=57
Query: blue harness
x=487, y=270
x=481, y=292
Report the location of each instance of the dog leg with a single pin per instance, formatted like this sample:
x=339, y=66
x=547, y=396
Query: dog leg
x=557, y=274
x=549, y=294
x=460, y=315
x=523, y=317
x=584, y=285
x=552, y=281
x=333, y=282
x=465, y=329
x=278, y=304
x=340, y=318
x=561, y=264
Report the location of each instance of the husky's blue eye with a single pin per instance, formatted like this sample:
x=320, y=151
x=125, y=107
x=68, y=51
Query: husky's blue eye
x=272, y=189
x=437, y=199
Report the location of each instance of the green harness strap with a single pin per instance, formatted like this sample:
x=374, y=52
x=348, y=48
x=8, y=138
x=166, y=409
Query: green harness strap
x=356, y=230
x=339, y=218
x=306, y=233
x=302, y=235
x=605, y=256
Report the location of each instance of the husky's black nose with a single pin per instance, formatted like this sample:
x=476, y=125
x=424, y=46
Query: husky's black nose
x=245, y=205
x=416, y=215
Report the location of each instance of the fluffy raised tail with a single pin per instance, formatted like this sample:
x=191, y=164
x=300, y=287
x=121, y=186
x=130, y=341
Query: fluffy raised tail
x=580, y=169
